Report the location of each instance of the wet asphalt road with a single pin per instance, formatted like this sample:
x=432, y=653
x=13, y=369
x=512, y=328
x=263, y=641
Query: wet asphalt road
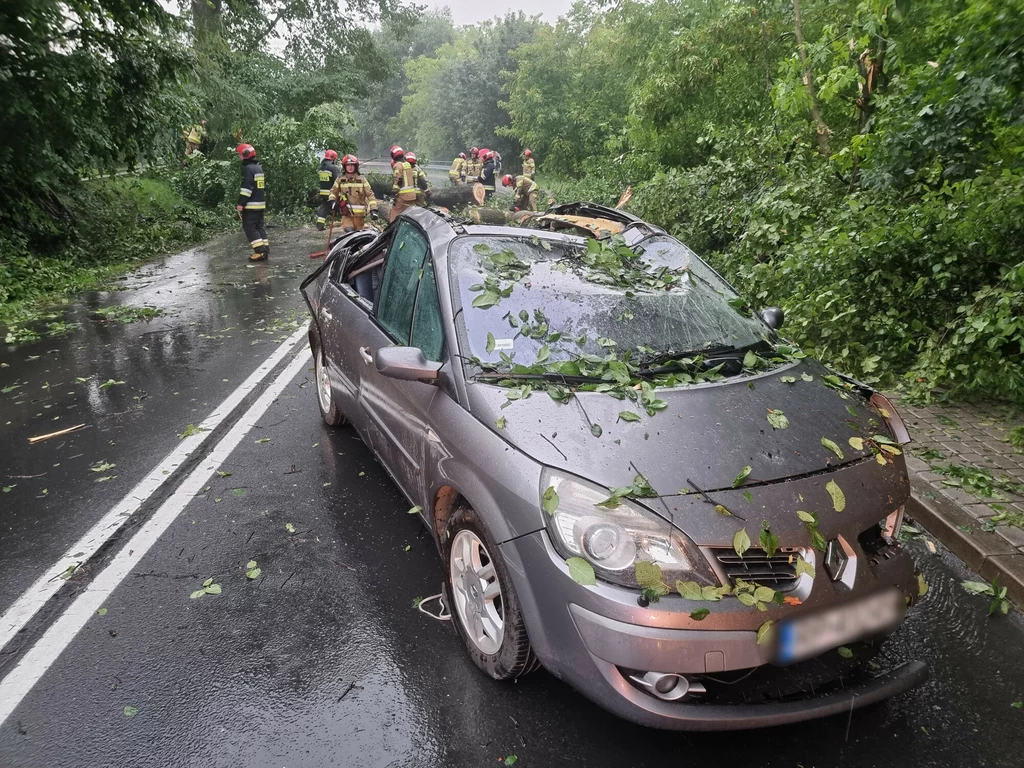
x=322, y=659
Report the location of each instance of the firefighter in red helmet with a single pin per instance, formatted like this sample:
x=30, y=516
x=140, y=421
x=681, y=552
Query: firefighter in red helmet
x=352, y=196
x=327, y=174
x=252, y=202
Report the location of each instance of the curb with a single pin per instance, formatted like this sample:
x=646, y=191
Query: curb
x=986, y=553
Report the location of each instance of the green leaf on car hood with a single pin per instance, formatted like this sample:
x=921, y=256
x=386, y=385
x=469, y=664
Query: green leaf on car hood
x=838, y=497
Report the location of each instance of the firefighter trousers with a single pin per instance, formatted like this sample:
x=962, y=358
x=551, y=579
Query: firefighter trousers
x=255, y=231
x=323, y=213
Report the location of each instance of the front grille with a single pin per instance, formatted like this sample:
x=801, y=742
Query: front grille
x=777, y=571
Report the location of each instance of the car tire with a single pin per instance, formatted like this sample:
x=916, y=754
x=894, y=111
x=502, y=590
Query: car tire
x=329, y=410
x=491, y=625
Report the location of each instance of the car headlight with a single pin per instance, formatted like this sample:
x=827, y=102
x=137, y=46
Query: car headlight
x=614, y=540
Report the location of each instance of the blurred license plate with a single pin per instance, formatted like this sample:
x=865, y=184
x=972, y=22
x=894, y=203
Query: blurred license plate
x=810, y=635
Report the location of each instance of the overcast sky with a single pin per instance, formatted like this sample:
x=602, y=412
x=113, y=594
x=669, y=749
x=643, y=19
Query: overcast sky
x=473, y=11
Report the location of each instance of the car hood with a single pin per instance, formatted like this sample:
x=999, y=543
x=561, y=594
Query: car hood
x=702, y=440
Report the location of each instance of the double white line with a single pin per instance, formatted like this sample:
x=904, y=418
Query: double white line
x=31, y=667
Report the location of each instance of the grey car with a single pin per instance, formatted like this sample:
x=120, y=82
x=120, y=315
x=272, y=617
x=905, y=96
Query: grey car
x=632, y=479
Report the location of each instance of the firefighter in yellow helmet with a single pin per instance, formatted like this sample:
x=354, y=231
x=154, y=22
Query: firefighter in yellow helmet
x=457, y=173
x=352, y=196
x=403, y=182
x=525, y=191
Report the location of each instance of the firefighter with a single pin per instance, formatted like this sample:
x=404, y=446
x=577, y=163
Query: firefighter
x=193, y=137
x=524, y=190
x=328, y=174
x=529, y=167
x=474, y=165
x=486, y=176
x=457, y=173
x=252, y=202
x=352, y=196
x=420, y=178
x=403, y=182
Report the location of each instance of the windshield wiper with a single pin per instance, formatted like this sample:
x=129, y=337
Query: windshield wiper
x=560, y=378
x=664, y=357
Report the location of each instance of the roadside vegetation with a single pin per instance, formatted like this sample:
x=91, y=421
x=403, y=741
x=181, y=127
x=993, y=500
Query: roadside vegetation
x=858, y=163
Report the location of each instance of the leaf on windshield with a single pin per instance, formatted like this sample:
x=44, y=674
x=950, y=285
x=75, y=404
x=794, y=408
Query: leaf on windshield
x=777, y=419
x=581, y=571
x=486, y=300
x=787, y=379
x=832, y=447
x=628, y=416
x=604, y=341
x=543, y=354
x=741, y=542
x=838, y=497
x=550, y=500
x=490, y=343
x=482, y=248
x=722, y=510
x=500, y=423
x=595, y=430
x=806, y=377
x=744, y=473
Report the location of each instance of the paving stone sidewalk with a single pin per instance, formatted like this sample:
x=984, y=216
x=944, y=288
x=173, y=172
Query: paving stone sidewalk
x=959, y=456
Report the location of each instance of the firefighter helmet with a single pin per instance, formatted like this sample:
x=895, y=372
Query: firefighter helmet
x=462, y=155
x=474, y=151
x=397, y=152
x=507, y=180
x=330, y=154
x=410, y=157
x=528, y=153
x=246, y=151
x=348, y=160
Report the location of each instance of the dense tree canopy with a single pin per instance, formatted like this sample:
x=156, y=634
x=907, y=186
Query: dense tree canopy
x=858, y=162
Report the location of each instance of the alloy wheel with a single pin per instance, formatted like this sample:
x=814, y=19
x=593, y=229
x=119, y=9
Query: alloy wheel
x=323, y=385
x=476, y=592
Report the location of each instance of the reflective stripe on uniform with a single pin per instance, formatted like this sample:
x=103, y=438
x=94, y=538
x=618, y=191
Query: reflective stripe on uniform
x=245, y=192
x=325, y=192
x=255, y=206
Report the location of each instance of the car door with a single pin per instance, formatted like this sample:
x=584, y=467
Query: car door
x=407, y=313
x=345, y=320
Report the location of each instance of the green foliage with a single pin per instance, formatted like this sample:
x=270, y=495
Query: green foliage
x=287, y=151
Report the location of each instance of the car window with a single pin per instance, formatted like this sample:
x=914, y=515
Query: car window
x=427, y=332
x=401, y=278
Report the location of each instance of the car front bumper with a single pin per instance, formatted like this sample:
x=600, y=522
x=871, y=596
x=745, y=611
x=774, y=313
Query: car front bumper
x=591, y=638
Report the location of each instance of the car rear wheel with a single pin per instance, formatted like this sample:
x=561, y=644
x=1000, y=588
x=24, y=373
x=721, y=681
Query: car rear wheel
x=483, y=602
x=325, y=394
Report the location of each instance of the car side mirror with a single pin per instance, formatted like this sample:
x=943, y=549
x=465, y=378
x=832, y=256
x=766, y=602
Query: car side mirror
x=773, y=317
x=407, y=364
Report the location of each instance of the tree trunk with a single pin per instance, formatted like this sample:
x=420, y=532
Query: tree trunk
x=819, y=123
x=451, y=197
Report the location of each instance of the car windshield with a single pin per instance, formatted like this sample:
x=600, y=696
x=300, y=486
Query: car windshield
x=526, y=300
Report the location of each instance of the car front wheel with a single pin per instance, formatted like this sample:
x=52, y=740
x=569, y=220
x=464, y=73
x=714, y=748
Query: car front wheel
x=483, y=601
x=325, y=394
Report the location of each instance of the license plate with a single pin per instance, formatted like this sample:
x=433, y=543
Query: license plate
x=810, y=635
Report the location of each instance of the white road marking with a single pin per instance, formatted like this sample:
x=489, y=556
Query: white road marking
x=28, y=604
x=34, y=664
